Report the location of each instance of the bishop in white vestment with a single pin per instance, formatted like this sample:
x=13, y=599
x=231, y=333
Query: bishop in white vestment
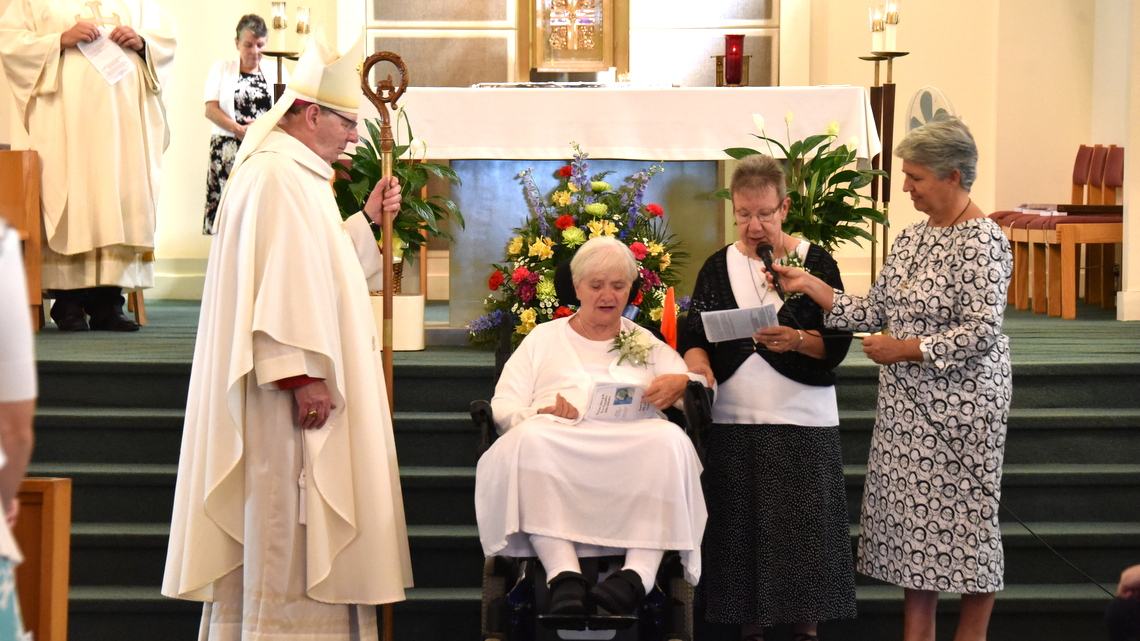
x=100, y=145
x=288, y=518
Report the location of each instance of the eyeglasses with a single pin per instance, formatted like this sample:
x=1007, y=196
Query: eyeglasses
x=351, y=123
x=743, y=220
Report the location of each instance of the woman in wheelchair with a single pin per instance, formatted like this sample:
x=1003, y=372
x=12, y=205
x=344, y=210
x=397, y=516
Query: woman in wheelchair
x=564, y=481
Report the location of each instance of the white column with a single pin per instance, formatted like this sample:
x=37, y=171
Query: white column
x=1128, y=300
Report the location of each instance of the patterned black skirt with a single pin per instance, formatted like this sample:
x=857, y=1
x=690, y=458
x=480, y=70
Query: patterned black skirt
x=777, y=545
x=223, y=149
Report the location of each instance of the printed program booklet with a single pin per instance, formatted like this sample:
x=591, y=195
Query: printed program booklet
x=730, y=324
x=618, y=402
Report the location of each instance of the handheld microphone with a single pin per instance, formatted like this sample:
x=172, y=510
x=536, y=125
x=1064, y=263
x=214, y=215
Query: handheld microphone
x=765, y=254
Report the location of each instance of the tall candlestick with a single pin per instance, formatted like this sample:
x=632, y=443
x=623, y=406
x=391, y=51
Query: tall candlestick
x=303, y=23
x=891, y=27
x=733, y=59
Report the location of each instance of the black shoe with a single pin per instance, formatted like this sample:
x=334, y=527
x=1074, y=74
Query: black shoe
x=621, y=593
x=105, y=307
x=568, y=594
x=67, y=311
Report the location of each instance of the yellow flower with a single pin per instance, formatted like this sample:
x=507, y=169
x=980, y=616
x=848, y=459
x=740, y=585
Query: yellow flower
x=596, y=209
x=560, y=198
x=528, y=317
x=655, y=248
x=515, y=246
x=572, y=187
x=573, y=236
x=656, y=313
x=541, y=248
x=666, y=260
x=601, y=228
x=600, y=186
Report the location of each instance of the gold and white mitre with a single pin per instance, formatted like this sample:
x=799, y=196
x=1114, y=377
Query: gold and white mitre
x=322, y=77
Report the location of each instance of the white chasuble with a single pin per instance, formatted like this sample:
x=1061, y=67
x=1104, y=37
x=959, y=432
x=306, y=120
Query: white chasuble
x=285, y=267
x=100, y=145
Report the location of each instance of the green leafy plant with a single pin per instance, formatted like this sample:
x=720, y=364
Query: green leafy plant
x=418, y=215
x=823, y=187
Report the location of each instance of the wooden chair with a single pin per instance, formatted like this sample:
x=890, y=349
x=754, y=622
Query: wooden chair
x=43, y=533
x=20, y=206
x=1064, y=254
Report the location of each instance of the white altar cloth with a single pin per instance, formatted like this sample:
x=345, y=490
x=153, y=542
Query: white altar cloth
x=696, y=123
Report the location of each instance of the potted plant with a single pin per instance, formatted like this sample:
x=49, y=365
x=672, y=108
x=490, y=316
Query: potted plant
x=822, y=185
x=419, y=217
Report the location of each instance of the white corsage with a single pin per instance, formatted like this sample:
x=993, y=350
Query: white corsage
x=632, y=346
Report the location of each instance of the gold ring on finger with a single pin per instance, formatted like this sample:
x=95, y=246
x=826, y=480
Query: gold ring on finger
x=313, y=414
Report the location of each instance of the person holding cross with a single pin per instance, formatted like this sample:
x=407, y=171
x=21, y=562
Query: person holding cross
x=100, y=132
x=288, y=519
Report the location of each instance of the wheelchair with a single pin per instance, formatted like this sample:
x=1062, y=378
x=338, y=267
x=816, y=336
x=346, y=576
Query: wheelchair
x=515, y=590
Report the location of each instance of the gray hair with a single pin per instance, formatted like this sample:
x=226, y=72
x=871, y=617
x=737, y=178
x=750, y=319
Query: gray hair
x=943, y=145
x=252, y=23
x=603, y=255
x=759, y=172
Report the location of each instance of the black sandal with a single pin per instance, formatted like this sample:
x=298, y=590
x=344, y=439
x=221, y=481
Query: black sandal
x=568, y=594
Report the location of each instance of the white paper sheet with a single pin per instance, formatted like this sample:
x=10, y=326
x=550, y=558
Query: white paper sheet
x=618, y=402
x=109, y=58
x=730, y=324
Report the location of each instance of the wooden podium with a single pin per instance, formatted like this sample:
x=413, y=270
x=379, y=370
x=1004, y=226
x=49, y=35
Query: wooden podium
x=43, y=533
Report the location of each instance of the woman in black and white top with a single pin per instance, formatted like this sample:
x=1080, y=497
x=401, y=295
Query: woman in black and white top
x=776, y=547
x=237, y=92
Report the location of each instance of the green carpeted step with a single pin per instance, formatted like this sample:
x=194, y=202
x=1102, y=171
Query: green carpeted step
x=134, y=554
x=1034, y=435
x=154, y=435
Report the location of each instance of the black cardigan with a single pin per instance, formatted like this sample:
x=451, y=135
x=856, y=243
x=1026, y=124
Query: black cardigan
x=714, y=292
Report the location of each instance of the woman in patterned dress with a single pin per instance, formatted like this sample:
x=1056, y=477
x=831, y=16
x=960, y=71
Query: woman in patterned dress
x=237, y=92
x=930, y=506
x=777, y=547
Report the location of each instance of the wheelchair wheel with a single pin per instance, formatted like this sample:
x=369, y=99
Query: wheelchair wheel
x=495, y=611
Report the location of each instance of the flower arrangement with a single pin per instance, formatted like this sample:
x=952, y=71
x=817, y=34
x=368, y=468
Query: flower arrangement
x=579, y=208
x=632, y=346
x=824, y=191
x=419, y=217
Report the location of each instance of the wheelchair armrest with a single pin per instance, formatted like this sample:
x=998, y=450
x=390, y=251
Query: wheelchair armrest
x=484, y=420
x=697, y=401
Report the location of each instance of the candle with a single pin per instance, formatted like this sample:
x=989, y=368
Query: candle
x=303, y=20
x=280, y=22
x=733, y=59
x=891, y=27
x=877, y=16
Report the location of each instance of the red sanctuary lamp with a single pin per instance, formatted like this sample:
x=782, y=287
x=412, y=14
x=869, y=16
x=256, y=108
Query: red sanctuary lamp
x=733, y=58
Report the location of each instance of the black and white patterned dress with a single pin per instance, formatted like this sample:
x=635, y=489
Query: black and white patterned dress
x=251, y=99
x=926, y=522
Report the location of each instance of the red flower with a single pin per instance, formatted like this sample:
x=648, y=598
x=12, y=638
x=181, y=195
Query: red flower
x=520, y=274
x=566, y=171
x=563, y=312
x=640, y=251
x=495, y=280
x=565, y=221
x=637, y=301
x=654, y=209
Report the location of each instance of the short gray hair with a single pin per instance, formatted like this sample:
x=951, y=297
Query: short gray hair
x=602, y=255
x=252, y=23
x=759, y=172
x=943, y=145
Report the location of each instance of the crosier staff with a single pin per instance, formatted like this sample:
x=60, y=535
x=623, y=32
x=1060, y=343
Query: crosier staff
x=385, y=94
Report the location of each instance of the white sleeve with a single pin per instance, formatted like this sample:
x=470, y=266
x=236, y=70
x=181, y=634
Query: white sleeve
x=367, y=249
x=514, y=393
x=273, y=361
x=214, y=82
x=17, y=352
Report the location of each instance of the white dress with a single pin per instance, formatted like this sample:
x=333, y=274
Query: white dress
x=606, y=486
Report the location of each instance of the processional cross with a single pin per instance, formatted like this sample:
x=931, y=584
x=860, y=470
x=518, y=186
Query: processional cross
x=97, y=15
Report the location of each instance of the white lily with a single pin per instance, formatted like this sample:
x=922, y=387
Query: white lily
x=788, y=117
x=853, y=143
x=833, y=128
x=759, y=120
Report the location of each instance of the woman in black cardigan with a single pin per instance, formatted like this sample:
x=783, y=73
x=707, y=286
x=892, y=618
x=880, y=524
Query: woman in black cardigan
x=776, y=548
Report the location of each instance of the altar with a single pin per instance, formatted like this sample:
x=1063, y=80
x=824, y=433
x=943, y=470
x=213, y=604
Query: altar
x=492, y=134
